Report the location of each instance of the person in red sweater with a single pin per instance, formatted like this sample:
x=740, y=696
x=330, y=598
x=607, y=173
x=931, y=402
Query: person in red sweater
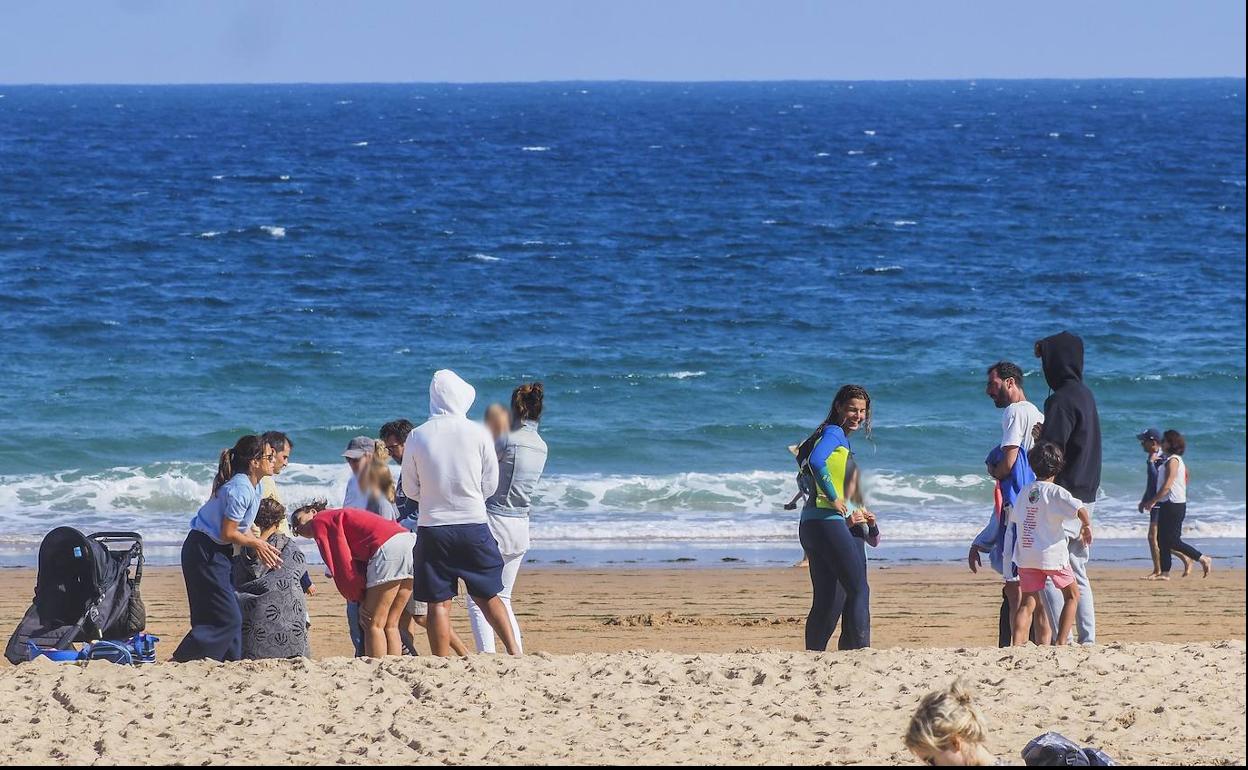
x=371, y=561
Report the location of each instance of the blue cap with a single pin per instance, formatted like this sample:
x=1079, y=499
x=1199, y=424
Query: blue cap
x=1152, y=434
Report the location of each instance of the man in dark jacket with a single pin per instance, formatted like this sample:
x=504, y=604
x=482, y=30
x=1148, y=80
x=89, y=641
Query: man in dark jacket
x=1071, y=422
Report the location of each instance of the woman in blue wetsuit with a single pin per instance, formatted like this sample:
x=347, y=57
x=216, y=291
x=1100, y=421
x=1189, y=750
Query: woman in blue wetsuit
x=838, y=567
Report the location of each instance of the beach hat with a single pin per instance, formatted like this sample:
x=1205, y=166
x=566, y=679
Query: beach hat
x=360, y=446
x=1152, y=434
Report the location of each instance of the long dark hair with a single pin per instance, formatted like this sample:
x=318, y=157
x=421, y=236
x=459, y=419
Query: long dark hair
x=237, y=460
x=843, y=397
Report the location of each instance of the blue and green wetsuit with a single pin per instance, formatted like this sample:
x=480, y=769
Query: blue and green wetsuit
x=831, y=464
x=838, y=566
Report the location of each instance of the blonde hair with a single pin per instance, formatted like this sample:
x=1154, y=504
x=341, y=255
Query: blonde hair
x=944, y=715
x=376, y=474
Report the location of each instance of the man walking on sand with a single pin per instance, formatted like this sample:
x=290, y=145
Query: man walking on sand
x=1071, y=422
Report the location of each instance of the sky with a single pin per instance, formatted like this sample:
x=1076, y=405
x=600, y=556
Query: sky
x=277, y=41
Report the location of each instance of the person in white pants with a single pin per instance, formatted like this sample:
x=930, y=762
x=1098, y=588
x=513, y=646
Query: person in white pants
x=521, y=460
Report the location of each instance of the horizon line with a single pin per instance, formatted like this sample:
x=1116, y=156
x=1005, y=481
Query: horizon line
x=609, y=81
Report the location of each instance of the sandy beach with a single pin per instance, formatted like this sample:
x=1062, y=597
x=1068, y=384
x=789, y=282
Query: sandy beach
x=661, y=666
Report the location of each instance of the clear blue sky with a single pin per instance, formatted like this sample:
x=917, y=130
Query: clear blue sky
x=220, y=41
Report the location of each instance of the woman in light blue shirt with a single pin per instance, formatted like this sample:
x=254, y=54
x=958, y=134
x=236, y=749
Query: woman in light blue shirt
x=521, y=461
x=207, y=554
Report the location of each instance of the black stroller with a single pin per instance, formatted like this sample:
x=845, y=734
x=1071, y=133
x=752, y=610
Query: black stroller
x=85, y=590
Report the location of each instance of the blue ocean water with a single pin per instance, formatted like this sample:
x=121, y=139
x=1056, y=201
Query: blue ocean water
x=692, y=269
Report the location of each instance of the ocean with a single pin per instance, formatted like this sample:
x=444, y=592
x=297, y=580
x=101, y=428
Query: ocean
x=691, y=269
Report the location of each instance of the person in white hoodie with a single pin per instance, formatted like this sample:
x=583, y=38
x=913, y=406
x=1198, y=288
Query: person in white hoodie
x=450, y=468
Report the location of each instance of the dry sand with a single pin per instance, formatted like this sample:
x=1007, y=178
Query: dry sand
x=1147, y=694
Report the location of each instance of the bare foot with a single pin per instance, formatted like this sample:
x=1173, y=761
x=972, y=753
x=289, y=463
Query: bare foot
x=1187, y=567
x=803, y=564
x=1151, y=576
x=1162, y=576
x=1206, y=564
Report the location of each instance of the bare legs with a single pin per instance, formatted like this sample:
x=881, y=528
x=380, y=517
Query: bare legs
x=414, y=625
x=440, y=632
x=380, y=613
x=1027, y=608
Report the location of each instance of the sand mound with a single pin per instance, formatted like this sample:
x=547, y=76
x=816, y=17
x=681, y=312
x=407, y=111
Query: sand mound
x=1143, y=703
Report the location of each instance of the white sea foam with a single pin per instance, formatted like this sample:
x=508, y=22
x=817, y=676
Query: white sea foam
x=1054, y=135
x=284, y=177
x=533, y=243
x=884, y=269
x=359, y=144
x=218, y=177
x=869, y=132
x=210, y=234
x=854, y=152
x=535, y=148
x=822, y=154
x=484, y=258
x=904, y=223
x=770, y=221
x=344, y=101
x=682, y=375
x=274, y=230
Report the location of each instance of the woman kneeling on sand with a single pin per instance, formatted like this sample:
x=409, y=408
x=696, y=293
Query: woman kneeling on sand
x=370, y=559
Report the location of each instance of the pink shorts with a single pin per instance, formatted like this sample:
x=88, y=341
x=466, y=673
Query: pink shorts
x=1031, y=581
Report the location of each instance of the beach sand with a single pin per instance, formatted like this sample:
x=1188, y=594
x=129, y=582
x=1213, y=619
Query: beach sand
x=713, y=676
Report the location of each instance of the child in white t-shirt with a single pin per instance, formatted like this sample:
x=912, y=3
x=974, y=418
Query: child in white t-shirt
x=1041, y=552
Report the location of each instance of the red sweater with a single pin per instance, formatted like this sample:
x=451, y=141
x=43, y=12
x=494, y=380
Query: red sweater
x=347, y=539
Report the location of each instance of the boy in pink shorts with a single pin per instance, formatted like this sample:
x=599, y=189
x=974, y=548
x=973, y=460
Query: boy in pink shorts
x=1041, y=552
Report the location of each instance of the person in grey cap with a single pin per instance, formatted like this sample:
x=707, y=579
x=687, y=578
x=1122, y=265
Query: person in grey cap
x=1150, y=442
x=359, y=449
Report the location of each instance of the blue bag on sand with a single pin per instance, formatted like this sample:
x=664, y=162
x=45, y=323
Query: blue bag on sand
x=1056, y=750
x=137, y=650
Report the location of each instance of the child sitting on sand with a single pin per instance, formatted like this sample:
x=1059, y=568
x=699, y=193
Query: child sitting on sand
x=947, y=729
x=1041, y=552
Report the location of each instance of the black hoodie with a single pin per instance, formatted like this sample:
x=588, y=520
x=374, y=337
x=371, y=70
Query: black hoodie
x=1070, y=418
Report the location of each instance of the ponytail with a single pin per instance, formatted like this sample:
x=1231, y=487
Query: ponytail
x=237, y=460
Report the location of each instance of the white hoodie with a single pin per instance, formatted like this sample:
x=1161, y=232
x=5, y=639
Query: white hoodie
x=449, y=464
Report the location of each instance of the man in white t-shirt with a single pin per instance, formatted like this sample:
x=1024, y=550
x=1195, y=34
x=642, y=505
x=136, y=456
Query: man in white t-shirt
x=1018, y=421
x=1046, y=513
x=1008, y=465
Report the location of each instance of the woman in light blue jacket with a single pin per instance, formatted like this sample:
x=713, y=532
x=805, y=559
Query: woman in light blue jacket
x=521, y=460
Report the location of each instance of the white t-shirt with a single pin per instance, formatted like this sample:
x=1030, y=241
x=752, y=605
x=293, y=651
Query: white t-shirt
x=1016, y=425
x=1178, y=490
x=1046, y=507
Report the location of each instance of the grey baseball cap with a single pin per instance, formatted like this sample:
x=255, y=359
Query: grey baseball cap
x=360, y=446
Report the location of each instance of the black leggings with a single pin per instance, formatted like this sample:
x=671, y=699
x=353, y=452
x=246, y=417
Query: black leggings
x=1170, y=534
x=838, y=575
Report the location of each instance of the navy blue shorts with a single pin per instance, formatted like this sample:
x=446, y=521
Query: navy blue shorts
x=454, y=552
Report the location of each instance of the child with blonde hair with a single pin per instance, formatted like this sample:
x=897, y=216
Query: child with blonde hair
x=947, y=729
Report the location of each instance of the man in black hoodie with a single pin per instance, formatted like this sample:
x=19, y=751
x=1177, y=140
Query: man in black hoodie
x=1071, y=422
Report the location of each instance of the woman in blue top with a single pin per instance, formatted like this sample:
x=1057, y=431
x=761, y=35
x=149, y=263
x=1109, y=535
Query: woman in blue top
x=207, y=554
x=838, y=566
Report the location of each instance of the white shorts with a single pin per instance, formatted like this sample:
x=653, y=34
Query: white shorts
x=393, y=561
